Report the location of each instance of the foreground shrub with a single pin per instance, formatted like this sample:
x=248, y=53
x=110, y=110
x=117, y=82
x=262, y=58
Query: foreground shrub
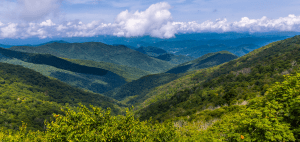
x=96, y=125
x=101, y=126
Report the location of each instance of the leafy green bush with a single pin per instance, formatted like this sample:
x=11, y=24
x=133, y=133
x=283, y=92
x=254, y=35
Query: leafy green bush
x=95, y=125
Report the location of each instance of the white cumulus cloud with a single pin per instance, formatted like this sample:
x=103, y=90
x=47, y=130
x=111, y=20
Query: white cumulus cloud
x=289, y=23
x=155, y=21
x=9, y=31
x=47, y=23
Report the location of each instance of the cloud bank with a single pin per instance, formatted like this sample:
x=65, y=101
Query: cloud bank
x=155, y=21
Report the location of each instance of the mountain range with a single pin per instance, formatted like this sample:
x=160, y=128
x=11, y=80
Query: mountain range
x=203, y=97
x=76, y=70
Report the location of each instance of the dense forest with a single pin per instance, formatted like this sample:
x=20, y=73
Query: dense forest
x=251, y=98
x=272, y=117
x=51, y=60
x=97, y=51
x=28, y=96
x=240, y=79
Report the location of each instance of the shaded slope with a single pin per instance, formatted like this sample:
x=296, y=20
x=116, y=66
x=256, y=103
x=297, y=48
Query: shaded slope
x=161, y=54
x=198, y=51
x=52, y=61
x=19, y=103
x=151, y=49
x=208, y=60
x=28, y=96
x=129, y=73
x=88, y=77
x=243, y=49
x=55, y=41
x=85, y=81
x=166, y=57
x=97, y=51
x=140, y=87
x=58, y=91
x=240, y=79
x=175, y=59
x=136, y=91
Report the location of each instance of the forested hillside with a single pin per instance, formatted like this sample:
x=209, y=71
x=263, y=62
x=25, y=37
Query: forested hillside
x=200, y=50
x=97, y=51
x=137, y=90
x=28, y=96
x=129, y=73
x=207, y=60
x=240, y=79
x=51, y=60
x=272, y=117
x=95, y=78
x=163, y=55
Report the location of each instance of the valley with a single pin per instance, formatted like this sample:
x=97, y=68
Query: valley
x=177, y=94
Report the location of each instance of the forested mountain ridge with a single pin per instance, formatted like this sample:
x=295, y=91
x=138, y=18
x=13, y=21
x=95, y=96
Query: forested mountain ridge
x=115, y=73
x=129, y=73
x=175, y=59
x=74, y=65
x=200, y=50
x=92, y=78
x=207, y=60
x=185, y=44
x=243, y=49
x=57, y=41
x=28, y=96
x=156, y=51
x=240, y=79
x=164, y=55
x=52, y=61
x=271, y=112
x=97, y=51
x=137, y=90
x=272, y=117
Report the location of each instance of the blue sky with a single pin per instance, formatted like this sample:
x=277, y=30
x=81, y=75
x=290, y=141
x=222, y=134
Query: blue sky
x=84, y=18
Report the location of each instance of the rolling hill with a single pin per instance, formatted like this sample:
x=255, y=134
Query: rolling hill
x=85, y=74
x=51, y=60
x=161, y=54
x=174, y=59
x=207, y=60
x=95, y=79
x=110, y=83
x=97, y=51
x=137, y=90
x=200, y=50
x=151, y=50
x=243, y=49
x=28, y=96
x=177, y=45
x=241, y=79
x=57, y=41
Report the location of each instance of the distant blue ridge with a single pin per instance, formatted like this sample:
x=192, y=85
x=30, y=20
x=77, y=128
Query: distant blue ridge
x=142, y=40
